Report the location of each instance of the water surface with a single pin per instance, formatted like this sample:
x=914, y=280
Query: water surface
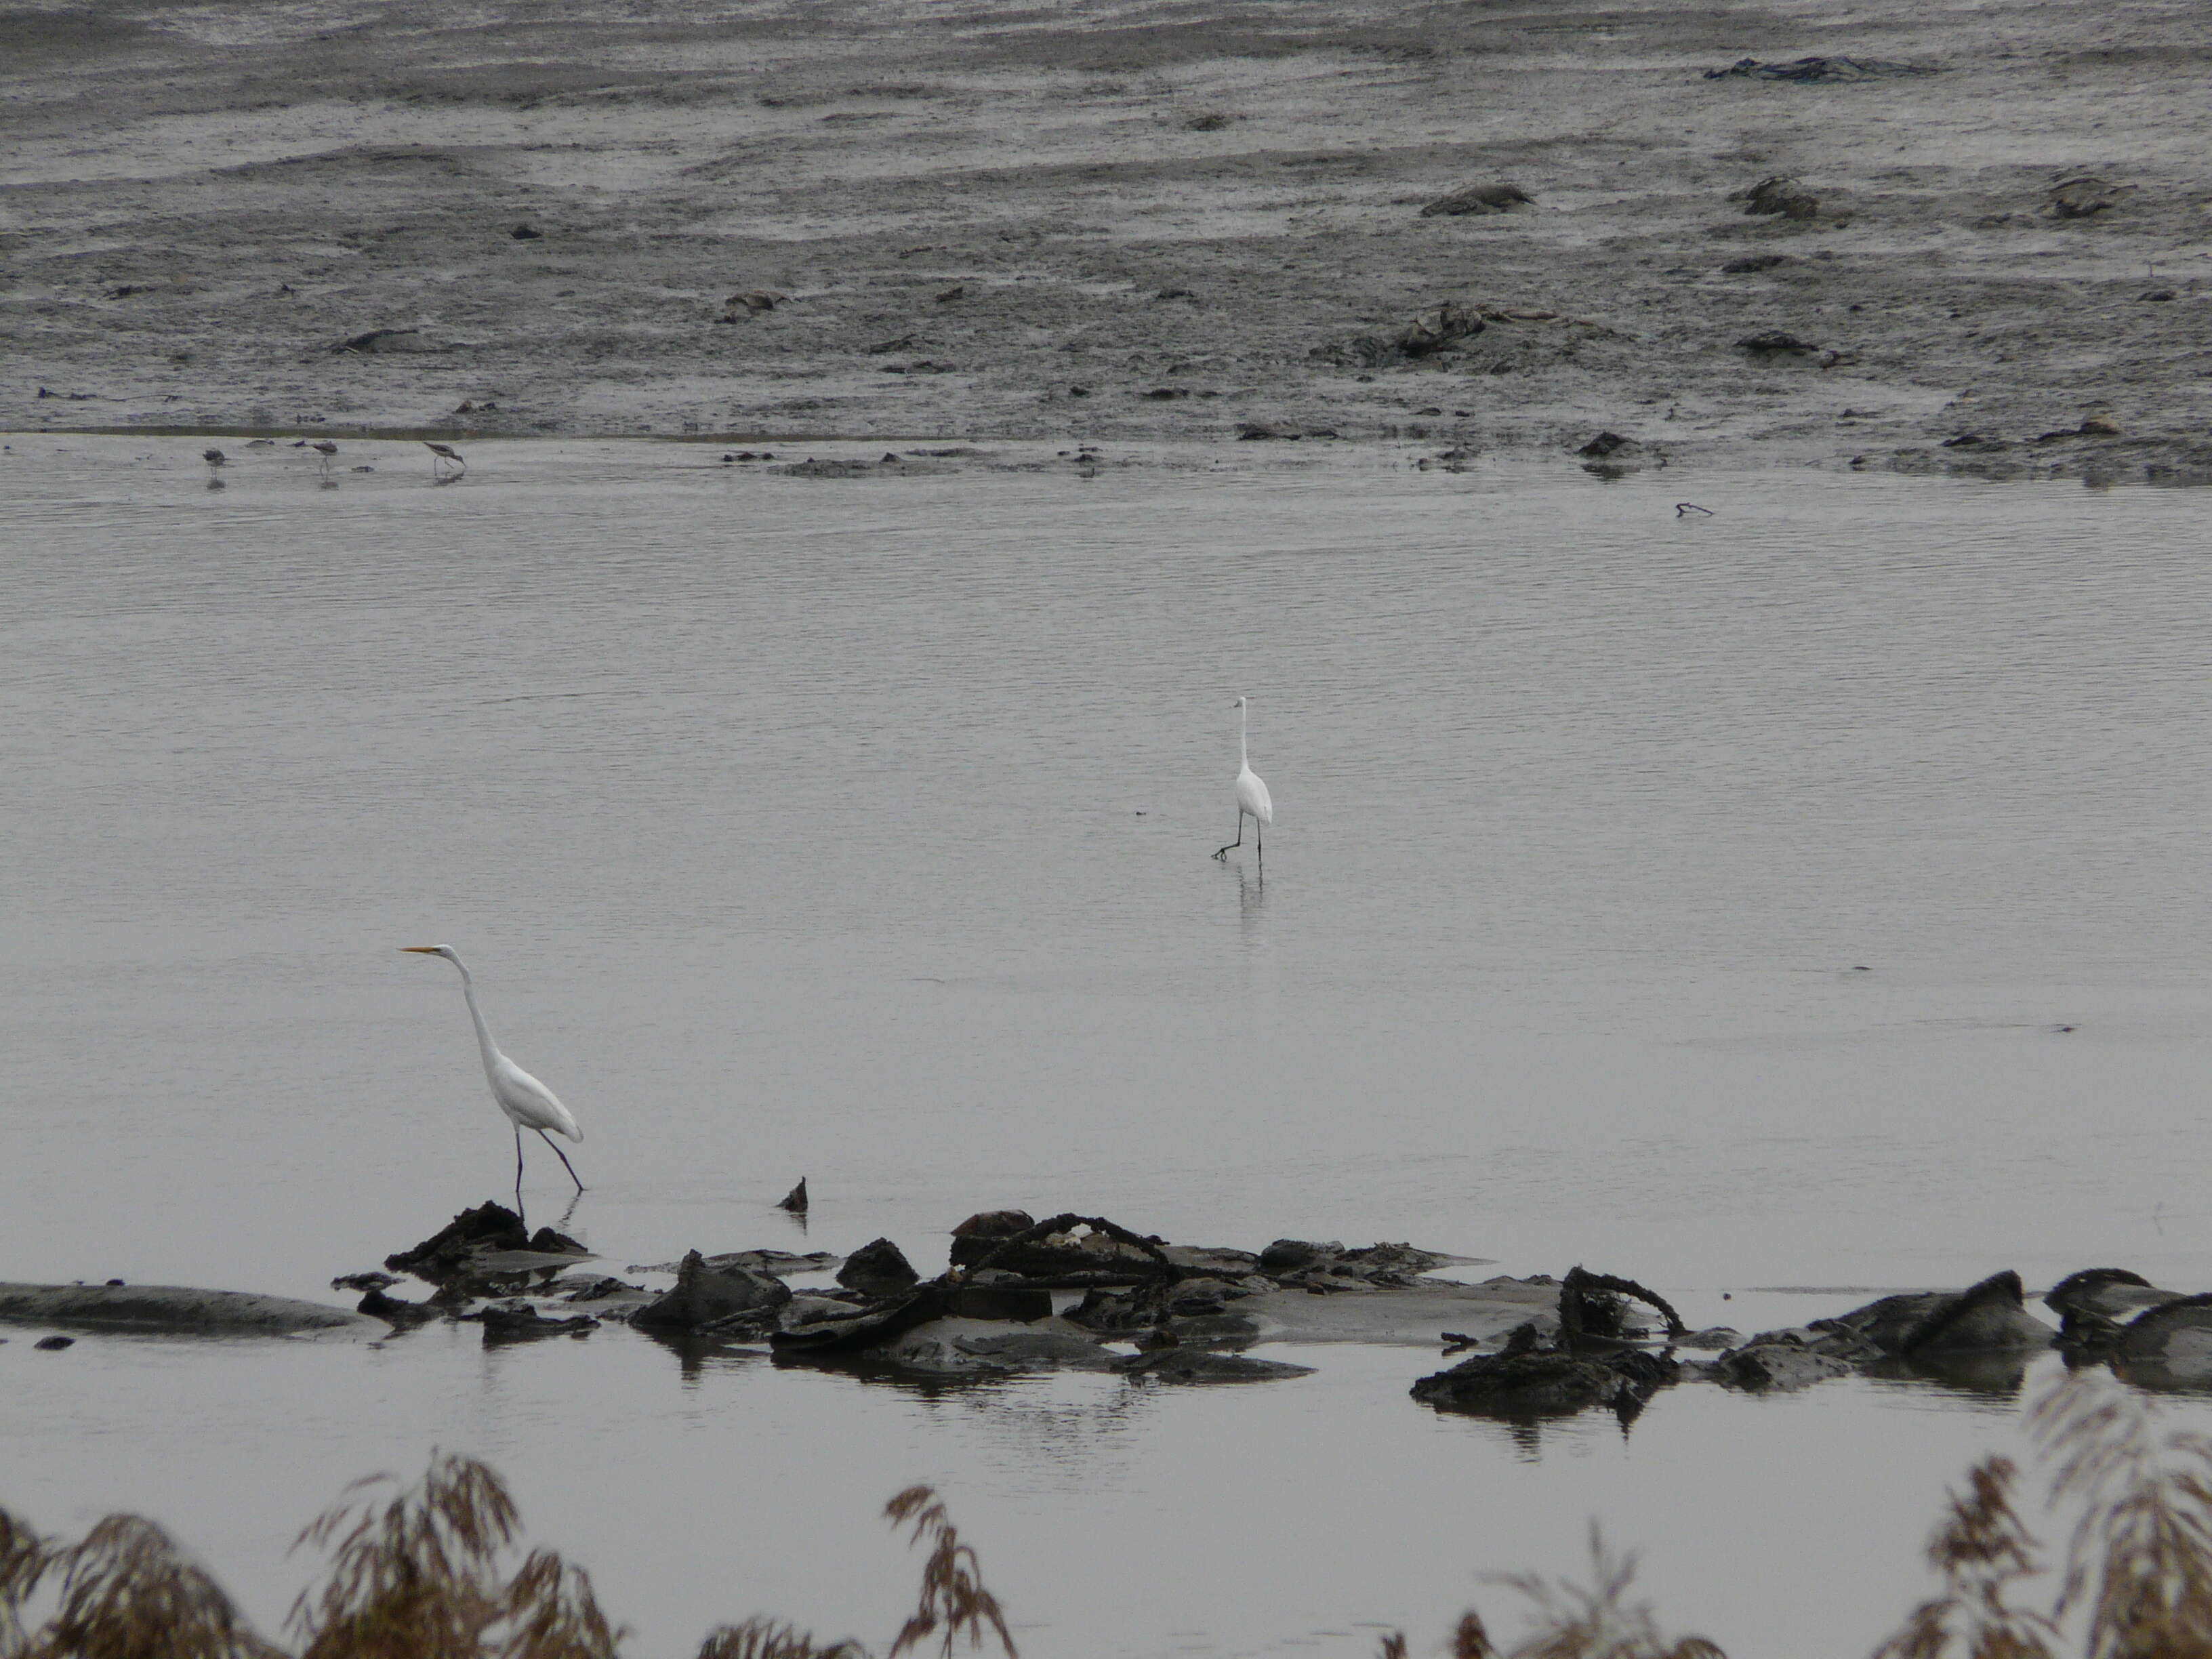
x=1696, y=898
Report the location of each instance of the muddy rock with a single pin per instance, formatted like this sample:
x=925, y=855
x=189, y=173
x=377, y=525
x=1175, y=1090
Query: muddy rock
x=519, y=1321
x=1776, y=1367
x=2084, y=197
x=1817, y=71
x=1188, y=1365
x=1496, y=197
x=878, y=1268
x=1990, y=1316
x=1775, y=343
x=396, y=1311
x=1535, y=1384
x=2114, y=1292
x=2177, y=1334
x=489, y=1227
x=706, y=1297
x=1608, y=444
x=1782, y=195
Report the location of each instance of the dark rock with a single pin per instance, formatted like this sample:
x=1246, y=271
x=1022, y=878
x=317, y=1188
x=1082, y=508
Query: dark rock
x=2112, y=1291
x=384, y=339
x=1287, y=1255
x=1989, y=1317
x=54, y=1344
x=1776, y=1367
x=871, y=1328
x=371, y=1280
x=1525, y=1384
x=1752, y=263
x=1774, y=342
x=2093, y=425
x=972, y=1239
x=1066, y=1246
x=489, y=1227
x=1610, y=443
x=2156, y=295
x=878, y=1268
x=518, y=1321
x=599, y=1289
x=705, y=1296
x=1499, y=197
x=1783, y=195
x=1175, y=293
x=524, y=233
x=1011, y=1302
x=795, y=1200
x=2179, y=1330
x=554, y=1244
x=395, y=1311
x=1249, y=431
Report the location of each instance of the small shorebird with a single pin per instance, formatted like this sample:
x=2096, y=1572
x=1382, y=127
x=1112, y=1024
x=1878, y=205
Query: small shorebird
x=442, y=453
x=213, y=457
x=326, y=449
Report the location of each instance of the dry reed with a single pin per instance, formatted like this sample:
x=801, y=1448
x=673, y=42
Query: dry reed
x=422, y=1572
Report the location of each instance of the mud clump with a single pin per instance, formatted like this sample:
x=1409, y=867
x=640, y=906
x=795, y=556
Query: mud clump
x=1499, y=197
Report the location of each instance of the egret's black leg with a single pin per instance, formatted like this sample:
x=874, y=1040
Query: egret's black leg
x=518, y=1168
x=1223, y=854
x=1259, y=842
x=563, y=1156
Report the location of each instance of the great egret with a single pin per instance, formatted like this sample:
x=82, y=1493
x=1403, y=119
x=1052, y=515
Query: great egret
x=528, y=1104
x=1252, y=798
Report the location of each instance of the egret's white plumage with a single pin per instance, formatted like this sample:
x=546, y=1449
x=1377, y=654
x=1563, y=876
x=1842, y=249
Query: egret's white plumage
x=528, y=1104
x=1253, y=800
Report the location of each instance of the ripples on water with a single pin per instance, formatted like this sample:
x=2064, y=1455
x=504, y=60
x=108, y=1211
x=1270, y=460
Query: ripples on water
x=858, y=829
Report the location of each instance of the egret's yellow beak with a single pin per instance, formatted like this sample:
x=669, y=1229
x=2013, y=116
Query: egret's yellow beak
x=422, y=949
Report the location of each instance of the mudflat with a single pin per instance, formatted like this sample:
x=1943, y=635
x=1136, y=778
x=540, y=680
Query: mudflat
x=1990, y=232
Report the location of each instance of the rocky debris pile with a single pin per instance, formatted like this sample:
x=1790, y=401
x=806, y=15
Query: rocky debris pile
x=1926, y=1326
x=728, y=1300
x=1531, y=1378
x=485, y=1251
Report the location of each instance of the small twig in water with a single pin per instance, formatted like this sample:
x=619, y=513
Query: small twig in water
x=1683, y=509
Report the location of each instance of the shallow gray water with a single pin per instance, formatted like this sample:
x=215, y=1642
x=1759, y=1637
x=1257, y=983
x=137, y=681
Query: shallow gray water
x=858, y=830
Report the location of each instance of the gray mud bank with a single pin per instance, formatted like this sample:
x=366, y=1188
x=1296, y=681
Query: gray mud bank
x=1915, y=239
x=178, y=1309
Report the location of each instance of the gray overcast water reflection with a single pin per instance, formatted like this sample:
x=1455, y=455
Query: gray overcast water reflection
x=858, y=830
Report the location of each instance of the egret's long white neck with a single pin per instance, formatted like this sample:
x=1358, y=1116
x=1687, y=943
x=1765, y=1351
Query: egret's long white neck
x=490, y=1050
x=1243, y=749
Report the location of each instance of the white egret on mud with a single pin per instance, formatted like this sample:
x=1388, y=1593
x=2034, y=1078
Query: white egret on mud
x=528, y=1104
x=1253, y=800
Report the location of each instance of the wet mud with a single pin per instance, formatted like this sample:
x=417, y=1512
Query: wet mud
x=1983, y=236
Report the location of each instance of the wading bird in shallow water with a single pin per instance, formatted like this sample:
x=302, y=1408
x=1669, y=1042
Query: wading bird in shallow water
x=327, y=450
x=213, y=457
x=442, y=453
x=528, y=1104
x=1253, y=800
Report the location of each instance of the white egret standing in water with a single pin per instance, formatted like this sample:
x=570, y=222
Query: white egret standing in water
x=1253, y=800
x=528, y=1104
